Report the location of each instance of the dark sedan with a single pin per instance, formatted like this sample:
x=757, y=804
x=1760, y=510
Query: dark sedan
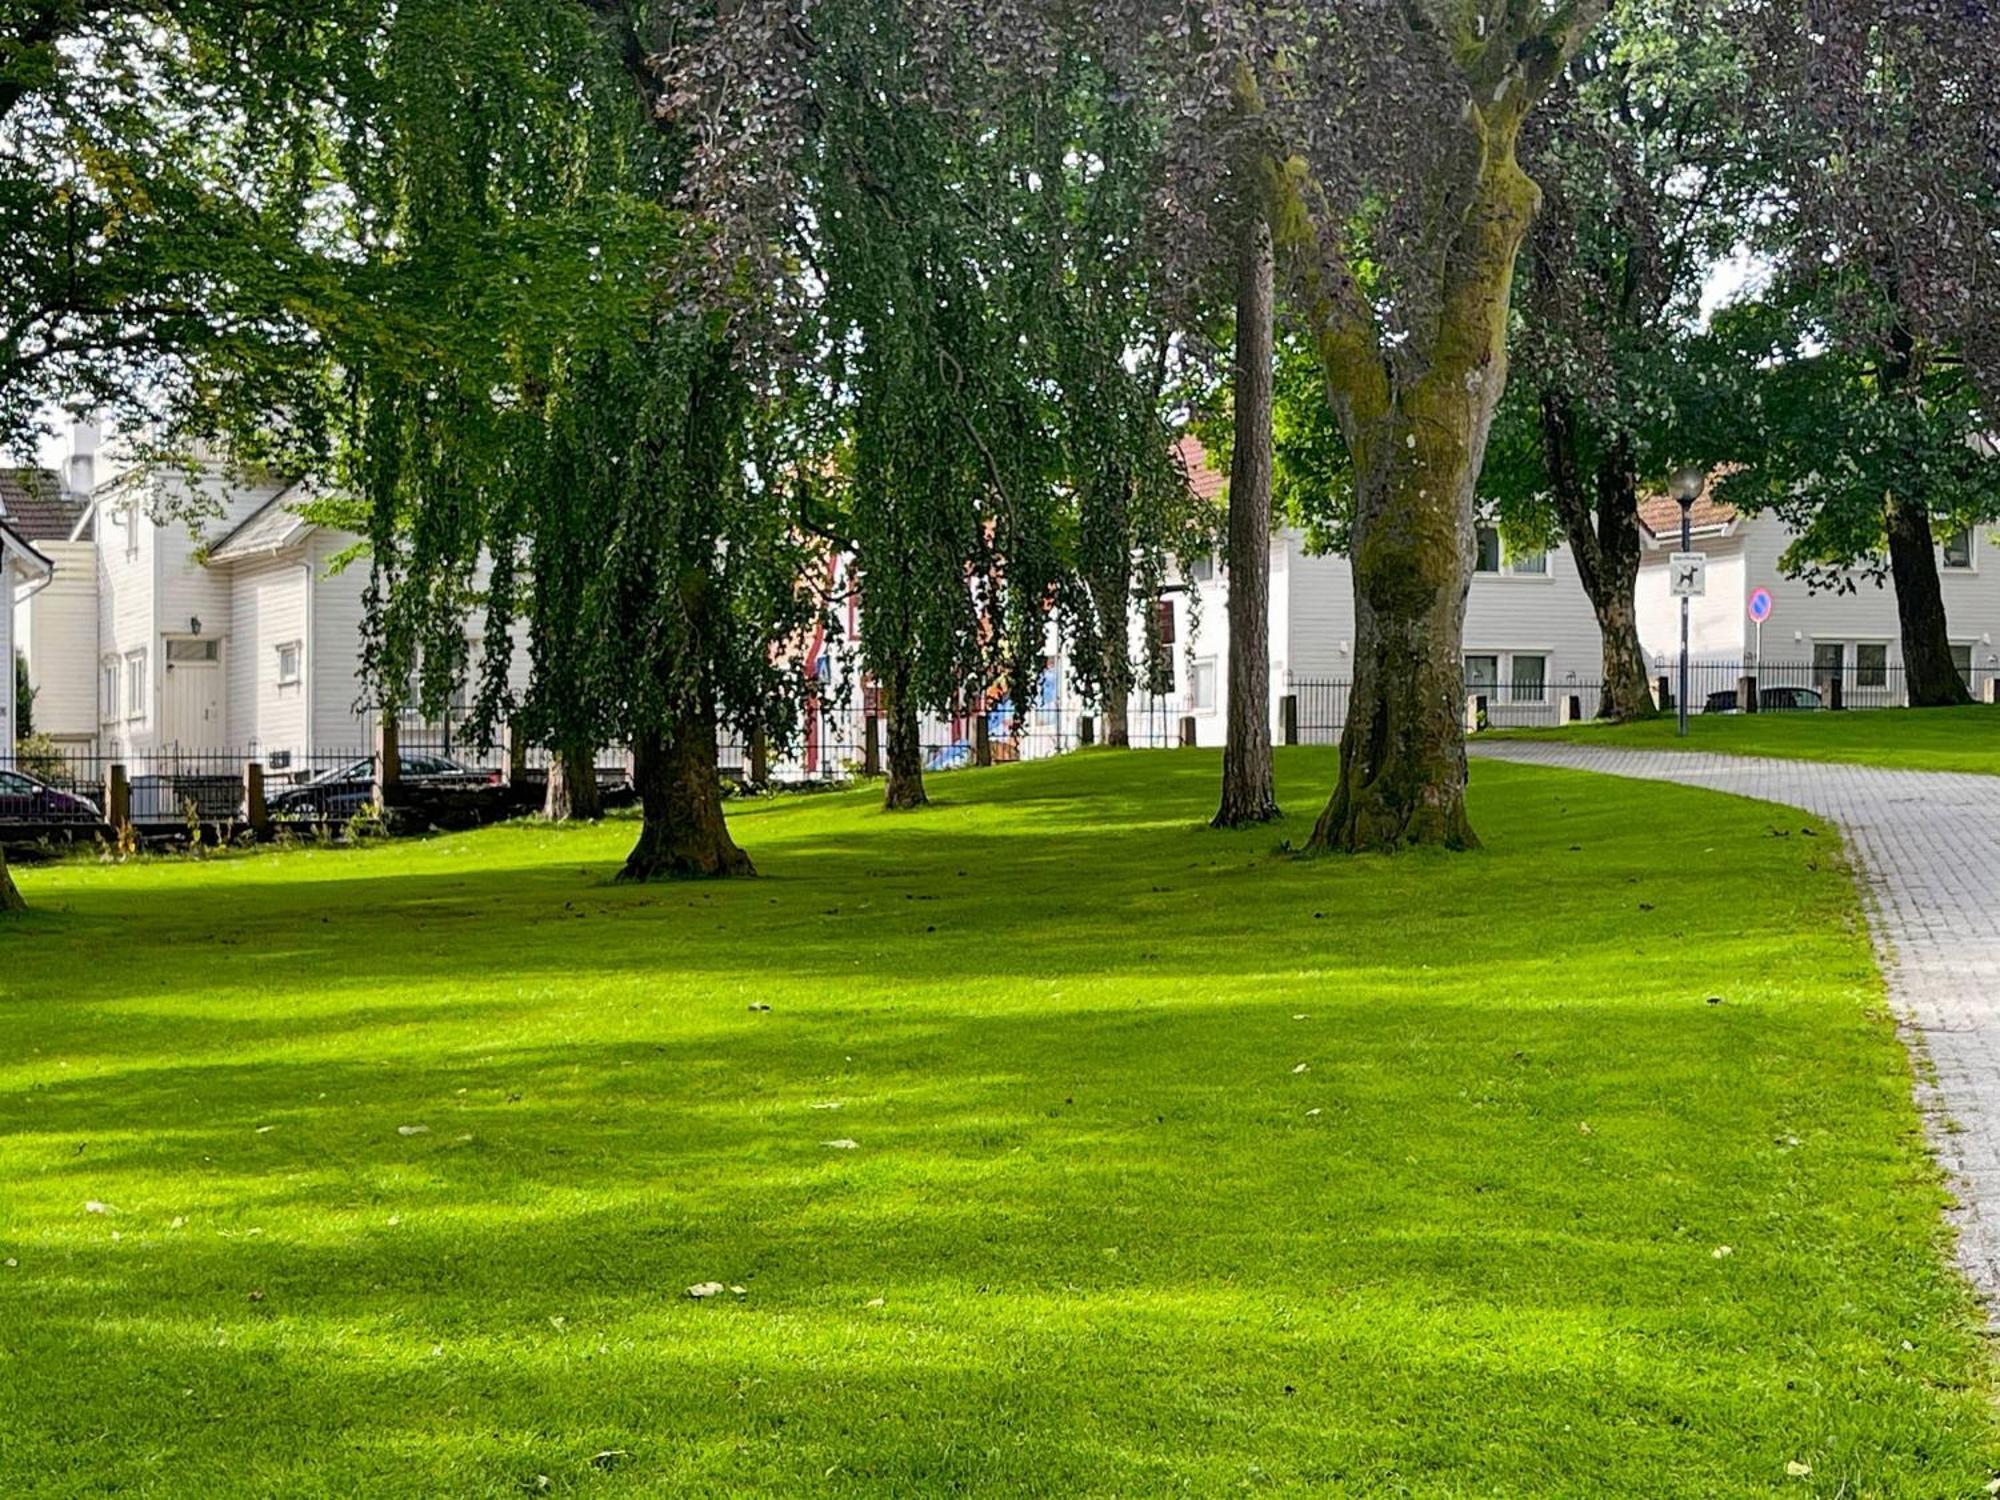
x=1770, y=700
x=27, y=799
x=346, y=790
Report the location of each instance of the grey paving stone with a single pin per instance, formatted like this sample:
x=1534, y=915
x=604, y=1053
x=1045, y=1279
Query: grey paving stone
x=1928, y=848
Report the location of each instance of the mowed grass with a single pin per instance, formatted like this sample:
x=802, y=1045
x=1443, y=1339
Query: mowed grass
x=1180, y=1166
x=1914, y=739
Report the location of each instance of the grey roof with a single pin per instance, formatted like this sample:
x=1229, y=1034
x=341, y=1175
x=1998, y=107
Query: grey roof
x=33, y=504
x=12, y=541
x=271, y=527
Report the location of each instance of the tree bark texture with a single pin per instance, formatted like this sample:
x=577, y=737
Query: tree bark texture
x=1114, y=604
x=1600, y=521
x=1928, y=671
x=1248, y=791
x=682, y=833
x=1418, y=445
x=905, y=789
x=10, y=895
x=572, y=795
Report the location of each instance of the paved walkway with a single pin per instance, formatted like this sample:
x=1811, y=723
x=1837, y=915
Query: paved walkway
x=1928, y=844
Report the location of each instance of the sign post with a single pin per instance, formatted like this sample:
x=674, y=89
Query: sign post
x=1760, y=611
x=1687, y=578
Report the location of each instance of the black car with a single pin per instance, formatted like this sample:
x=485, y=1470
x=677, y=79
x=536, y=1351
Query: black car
x=1770, y=700
x=26, y=799
x=346, y=790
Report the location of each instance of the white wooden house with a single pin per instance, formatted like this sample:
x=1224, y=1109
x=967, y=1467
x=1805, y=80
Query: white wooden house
x=23, y=571
x=1851, y=633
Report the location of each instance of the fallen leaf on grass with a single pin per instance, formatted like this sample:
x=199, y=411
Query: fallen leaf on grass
x=703, y=1289
x=1301, y=1068
x=843, y=1144
x=413, y=1130
x=1798, y=1469
x=94, y=1207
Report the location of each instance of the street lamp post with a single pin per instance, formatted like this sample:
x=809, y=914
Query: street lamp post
x=1686, y=486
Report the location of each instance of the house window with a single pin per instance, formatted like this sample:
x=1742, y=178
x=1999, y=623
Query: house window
x=135, y=684
x=1203, y=568
x=1201, y=684
x=107, y=690
x=1482, y=675
x=1871, y=664
x=1829, y=659
x=1528, y=564
x=1530, y=678
x=1487, y=558
x=1163, y=621
x=288, y=664
x=1961, y=658
x=181, y=651
x=1958, y=548
x=128, y=519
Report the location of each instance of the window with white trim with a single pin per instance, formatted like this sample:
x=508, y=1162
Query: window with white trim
x=107, y=690
x=1529, y=677
x=1871, y=664
x=1482, y=675
x=1961, y=658
x=1201, y=683
x=1957, y=549
x=1528, y=564
x=1486, y=556
x=135, y=684
x=128, y=520
x=288, y=664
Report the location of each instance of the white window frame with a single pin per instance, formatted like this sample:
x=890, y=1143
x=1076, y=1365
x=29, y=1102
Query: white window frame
x=135, y=686
x=1513, y=683
x=1854, y=656
x=128, y=519
x=1499, y=556
x=1971, y=563
x=110, y=689
x=296, y=650
x=1196, y=667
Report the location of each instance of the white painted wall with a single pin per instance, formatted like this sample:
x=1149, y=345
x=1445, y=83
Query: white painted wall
x=1800, y=619
x=56, y=628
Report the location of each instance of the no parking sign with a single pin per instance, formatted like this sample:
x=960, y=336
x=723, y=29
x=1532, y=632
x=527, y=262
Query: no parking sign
x=1760, y=605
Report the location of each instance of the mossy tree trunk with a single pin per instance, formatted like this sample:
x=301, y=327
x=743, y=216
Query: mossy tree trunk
x=1418, y=442
x=1113, y=597
x=1248, y=790
x=682, y=833
x=10, y=895
x=572, y=795
x=905, y=789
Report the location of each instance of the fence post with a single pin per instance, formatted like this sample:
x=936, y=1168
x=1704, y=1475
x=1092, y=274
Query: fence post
x=982, y=741
x=760, y=757
x=117, y=796
x=1187, y=731
x=1086, y=731
x=1663, y=692
x=255, y=812
x=1993, y=688
x=1288, y=718
x=388, y=760
x=1746, y=694
x=871, y=746
x=1572, y=709
x=1475, y=713
x=1833, y=688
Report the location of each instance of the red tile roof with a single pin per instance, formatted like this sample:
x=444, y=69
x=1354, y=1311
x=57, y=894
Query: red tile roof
x=1206, y=483
x=1660, y=515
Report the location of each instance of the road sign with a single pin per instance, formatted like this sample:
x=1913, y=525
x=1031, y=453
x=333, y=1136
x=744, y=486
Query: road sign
x=1688, y=574
x=1760, y=605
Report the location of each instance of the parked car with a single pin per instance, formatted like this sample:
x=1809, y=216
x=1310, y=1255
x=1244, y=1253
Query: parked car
x=346, y=790
x=27, y=799
x=1770, y=700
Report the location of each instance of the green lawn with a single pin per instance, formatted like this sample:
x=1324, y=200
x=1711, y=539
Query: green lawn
x=1179, y=1166
x=1916, y=739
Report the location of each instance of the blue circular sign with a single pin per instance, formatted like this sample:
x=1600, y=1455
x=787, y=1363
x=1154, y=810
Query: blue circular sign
x=1760, y=605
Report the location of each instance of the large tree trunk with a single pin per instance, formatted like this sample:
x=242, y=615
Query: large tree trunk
x=10, y=895
x=1603, y=535
x=572, y=795
x=1114, y=604
x=1248, y=794
x=906, y=748
x=1928, y=670
x=1418, y=446
x=682, y=834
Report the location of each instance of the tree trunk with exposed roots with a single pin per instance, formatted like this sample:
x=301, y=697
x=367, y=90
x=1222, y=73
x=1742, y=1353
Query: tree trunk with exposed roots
x=1248, y=787
x=682, y=833
x=572, y=795
x=1418, y=444
x=905, y=789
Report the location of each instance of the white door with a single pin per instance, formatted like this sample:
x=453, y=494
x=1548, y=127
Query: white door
x=191, y=706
